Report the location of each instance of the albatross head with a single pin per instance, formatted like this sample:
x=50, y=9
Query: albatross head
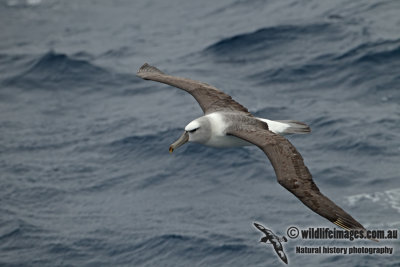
x=198, y=131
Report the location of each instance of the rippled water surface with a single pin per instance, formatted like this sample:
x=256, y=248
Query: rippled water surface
x=86, y=177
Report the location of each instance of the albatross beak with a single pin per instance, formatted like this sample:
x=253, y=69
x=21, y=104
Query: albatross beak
x=182, y=140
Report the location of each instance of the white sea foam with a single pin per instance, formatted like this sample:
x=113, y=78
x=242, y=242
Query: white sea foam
x=33, y=2
x=389, y=197
x=26, y=2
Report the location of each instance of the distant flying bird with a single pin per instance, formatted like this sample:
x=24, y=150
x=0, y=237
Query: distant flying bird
x=274, y=240
x=226, y=123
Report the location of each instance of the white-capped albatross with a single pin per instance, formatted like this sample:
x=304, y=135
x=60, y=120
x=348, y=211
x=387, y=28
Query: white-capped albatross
x=226, y=123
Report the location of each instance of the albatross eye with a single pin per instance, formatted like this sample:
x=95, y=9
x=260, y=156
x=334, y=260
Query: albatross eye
x=192, y=131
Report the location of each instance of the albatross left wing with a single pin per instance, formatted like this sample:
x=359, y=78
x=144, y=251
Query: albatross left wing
x=294, y=175
x=260, y=227
x=209, y=98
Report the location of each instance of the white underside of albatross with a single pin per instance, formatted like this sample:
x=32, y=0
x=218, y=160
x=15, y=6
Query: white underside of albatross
x=219, y=123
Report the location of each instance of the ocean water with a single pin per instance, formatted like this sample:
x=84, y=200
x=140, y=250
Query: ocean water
x=86, y=177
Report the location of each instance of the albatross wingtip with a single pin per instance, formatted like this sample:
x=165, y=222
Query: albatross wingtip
x=147, y=69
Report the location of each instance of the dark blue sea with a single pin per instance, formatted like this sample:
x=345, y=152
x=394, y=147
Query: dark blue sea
x=85, y=174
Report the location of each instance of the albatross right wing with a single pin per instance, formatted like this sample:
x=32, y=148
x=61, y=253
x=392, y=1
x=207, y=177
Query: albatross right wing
x=209, y=98
x=294, y=175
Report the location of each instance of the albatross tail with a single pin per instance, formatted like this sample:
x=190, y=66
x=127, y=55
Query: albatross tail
x=287, y=126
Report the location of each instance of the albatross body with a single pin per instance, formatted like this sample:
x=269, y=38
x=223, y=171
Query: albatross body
x=210, y=130
x=226, y=123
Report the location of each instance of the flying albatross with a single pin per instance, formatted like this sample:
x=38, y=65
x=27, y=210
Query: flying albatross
x=226, y=123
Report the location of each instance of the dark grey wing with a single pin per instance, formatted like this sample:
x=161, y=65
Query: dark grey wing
x=281, y=253
x=260, y=227
x=209, y=98
x=279, y=250
x=294, y=175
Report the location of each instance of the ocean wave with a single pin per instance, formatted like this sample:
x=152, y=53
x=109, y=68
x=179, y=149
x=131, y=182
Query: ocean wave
x=145, y=144
x=10, y=233
x=52, y=69
x=325, y=121
x=189, y=248
x=354, y=144
x=342, y=71
x=7, y=59
x=373, y=52
x=326, y=64
x=45, y=144
x=121, y=52
x=139, y=139
x=312, y=71
x=261, y=44
x=17, y=228
x=338, y=175
x=390, y=198
x=12, y=64
x=266, y=36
